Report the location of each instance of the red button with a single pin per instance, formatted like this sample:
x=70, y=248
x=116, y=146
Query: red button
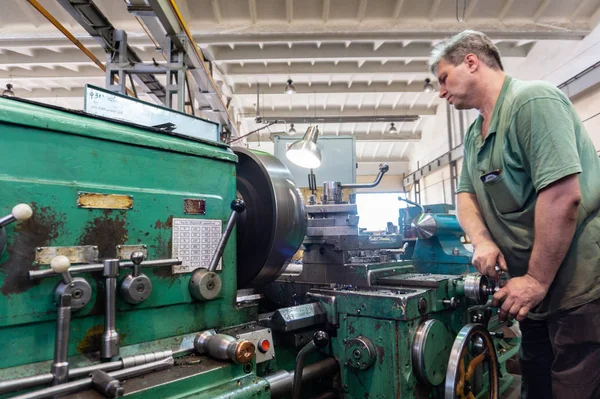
x=264, y=346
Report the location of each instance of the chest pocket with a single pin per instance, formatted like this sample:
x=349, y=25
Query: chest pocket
x=503, y=195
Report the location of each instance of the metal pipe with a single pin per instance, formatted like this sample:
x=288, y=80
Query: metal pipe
x=98, y=267
x=110, y=338
x=412, y=203
x=46, y=378
x=237, y=206
x=86, y=383
x=60, y=364
x=382, y=169
x=282, y=381
x=8, y=219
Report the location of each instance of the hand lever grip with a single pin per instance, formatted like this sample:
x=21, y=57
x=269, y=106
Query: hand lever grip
x=19, y=212
x=237, y=206
x=60, y=265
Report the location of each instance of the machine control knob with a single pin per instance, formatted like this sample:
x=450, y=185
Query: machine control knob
x=19, y=212
x=79, y=289
x=384, y=167
x=238, y=205
x=321, y=339
x=205, y=285
x=136, y=287
x=60, y=265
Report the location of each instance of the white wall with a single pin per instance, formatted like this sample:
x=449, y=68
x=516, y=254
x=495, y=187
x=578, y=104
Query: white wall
x=587, y=105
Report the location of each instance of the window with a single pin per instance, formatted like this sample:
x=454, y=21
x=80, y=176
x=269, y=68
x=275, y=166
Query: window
x=377, y=209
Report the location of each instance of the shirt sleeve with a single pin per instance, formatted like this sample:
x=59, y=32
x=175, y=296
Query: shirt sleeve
x=465, y=184
x=545, y=130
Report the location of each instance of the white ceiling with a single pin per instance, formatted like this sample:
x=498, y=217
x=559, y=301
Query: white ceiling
x=346, y=57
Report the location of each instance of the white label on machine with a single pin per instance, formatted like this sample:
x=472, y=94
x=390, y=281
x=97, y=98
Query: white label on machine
x=195, y=242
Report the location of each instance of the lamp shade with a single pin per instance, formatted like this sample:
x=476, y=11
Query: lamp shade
x=305, y=153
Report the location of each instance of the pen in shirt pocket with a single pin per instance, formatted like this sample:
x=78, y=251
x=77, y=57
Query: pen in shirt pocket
x=490, y=176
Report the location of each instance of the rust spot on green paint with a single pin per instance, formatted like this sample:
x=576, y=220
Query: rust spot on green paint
x=106, y=233
x=92, y=339
x=38, y=231
x=162, y=246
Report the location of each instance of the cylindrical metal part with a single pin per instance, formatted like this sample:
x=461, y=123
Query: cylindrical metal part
x=97, y=267
x=110, y=338
x=237, y=207
x=225, y=347
x=43, y=379
x=137, y=258
x=282, y=381
x=105, y=384
x=85, y=383
x=300, y=359
x=332, y=192
x=60, y=364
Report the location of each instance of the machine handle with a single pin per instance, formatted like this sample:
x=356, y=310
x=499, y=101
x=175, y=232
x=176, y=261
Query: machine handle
x=237, y=206
x=412, y=203
x=137, y=258
x=19, y=212
x=60, y=265
x=383, y=168
x=98, y=267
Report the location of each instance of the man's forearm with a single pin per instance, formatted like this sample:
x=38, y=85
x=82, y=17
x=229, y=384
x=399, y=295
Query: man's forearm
x=470, y=218
x=556, y=212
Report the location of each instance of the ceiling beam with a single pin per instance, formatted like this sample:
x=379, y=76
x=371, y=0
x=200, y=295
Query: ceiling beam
x=540, y=10
x=216, y=7
x=406, y=137
x=397, y=10
x=329, y=68
x=507, y=5
x=362, y=9
x=333, y=51
x=282, y=113
x=325, y=12
x=338, y=87
x=57, y=58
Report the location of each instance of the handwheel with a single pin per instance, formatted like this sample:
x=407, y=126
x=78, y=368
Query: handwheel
x=473, y=353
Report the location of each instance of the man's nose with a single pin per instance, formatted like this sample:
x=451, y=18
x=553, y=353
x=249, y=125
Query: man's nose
x=443, y=92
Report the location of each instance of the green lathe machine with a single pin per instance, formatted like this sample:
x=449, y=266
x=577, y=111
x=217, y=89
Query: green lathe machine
x=143, y=263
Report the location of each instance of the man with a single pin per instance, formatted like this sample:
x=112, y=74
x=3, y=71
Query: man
x=529, y=199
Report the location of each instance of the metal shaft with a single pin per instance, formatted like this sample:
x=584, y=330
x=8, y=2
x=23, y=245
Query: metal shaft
x=8, y=219
x=110, y=338
x=60, y=364
x=300, y=359
x=86, y=383
x=382, y=169
x=44, y=379
x=237, y=207
x=98, y=267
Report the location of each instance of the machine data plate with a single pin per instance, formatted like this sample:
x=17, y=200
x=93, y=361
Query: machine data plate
x=195, y=242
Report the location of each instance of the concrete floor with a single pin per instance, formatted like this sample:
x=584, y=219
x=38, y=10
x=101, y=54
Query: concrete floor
x=514, y=391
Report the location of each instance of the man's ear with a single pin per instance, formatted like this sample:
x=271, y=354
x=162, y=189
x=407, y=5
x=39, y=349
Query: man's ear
x=472, y=62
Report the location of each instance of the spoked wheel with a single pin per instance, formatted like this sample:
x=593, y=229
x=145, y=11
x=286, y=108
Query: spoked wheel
x=473, y=362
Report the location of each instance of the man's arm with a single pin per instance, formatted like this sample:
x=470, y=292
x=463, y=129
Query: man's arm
x=556, y=211
x=487, y=254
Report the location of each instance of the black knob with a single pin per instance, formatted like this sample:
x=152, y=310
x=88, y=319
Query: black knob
x=321, y=339
x=384, y=167
x=238, y=205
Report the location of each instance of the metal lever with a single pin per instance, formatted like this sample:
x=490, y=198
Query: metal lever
x=136, y=287
x=108, y=386
x=383, y=168
x=19, y=212
x=205, y=284
x=98, y=267
x=320, y=340
x=237, y=206
x=110, y=338
x=60, y=364
x=79, y=290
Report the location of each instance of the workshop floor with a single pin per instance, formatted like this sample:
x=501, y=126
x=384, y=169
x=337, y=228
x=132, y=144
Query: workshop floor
x=514, y=391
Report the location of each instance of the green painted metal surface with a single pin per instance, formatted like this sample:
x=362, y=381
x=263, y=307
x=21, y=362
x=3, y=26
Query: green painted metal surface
x=51, y=156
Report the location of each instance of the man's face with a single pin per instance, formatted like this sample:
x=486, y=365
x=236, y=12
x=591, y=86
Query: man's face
x=456, y=84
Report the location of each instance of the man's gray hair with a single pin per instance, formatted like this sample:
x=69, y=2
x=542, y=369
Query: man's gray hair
x=455, y=49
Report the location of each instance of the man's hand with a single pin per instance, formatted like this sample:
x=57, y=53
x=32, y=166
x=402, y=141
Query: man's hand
x=518, y=297
x=486, y=256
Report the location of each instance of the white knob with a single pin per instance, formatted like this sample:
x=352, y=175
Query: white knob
x=22, y=212
x=60, y=264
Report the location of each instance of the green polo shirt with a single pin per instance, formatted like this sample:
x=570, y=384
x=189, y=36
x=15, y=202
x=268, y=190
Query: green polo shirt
x=536, y=138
